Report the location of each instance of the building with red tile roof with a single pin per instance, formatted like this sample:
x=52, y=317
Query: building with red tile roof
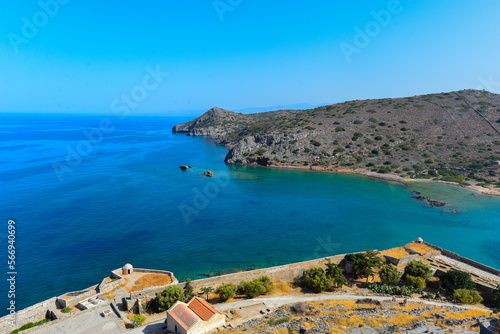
x=195, y=317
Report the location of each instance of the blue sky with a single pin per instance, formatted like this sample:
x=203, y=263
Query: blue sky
x=84, y=56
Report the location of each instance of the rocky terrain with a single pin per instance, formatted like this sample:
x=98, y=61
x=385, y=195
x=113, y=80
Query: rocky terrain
x=453, y=137
x=365, y=315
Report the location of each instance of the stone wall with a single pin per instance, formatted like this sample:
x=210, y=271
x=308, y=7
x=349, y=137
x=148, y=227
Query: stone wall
x=30, y=330
x=402, y=261
x=33, y=313
x=465, y=260
x=153, y=271
x=285, y=272
x=104, y=287
x=70, y=299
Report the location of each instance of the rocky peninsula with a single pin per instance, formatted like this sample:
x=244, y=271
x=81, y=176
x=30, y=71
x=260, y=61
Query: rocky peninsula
x=449, y=137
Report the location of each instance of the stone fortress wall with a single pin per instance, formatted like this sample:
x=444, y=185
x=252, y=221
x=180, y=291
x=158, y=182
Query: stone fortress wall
x=284, y=272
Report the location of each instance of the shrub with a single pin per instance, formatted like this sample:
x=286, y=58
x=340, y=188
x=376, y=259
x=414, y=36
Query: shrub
x=456, y=279
x=335, y=274
x=315, y=279
x=30, y=325
x=466, y=296
x=261, y=151
x=168, y=297
x=417, y=282
x=256, y=287
x=429, y=161
x=389, y=274
x=139, y=319
x=275, y=322
x=418, y=269
x=299, y=308
x=226, y=291
x=315, y=142
x=402, y=290
x=66, y=309
x=267, y=283
x=252, y=288
x=339, y=128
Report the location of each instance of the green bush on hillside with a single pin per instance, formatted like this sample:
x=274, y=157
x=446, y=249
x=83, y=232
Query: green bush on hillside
x=256, y=287
x=417, y=282
x=418, y=269
x=456, y=279
x=466, y=296
x=226, y=291
x=389, y=274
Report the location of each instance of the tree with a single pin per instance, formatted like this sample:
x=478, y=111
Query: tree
x=253, y=288
x=188, y=290
x=315, y=279
x=335, y=274
x=169, y=297
x=258, y=286
x=226, y=291
x=418, y=269
x=206, y=290
x=365, y=263
x=456, y=279
x=466, y=296
x=389, y=274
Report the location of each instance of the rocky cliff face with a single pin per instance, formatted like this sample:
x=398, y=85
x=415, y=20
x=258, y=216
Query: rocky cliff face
x=452, y=136
x=214, y=123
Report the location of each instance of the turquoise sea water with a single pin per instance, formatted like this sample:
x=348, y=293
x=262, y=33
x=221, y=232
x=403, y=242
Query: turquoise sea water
x=128, y=201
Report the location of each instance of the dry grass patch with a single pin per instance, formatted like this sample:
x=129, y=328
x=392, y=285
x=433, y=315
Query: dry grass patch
x=150, y=280
x=421, y=248
x=285, y=288
x=397, y=252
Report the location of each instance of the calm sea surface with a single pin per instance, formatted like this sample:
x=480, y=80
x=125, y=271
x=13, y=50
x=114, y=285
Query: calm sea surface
x=124, y=199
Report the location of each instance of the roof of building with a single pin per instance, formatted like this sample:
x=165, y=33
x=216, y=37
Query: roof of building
x=203, y=309
x=183, y=315
x=127, y=266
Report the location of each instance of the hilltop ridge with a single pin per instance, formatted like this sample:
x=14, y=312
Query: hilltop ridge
x=452, y=136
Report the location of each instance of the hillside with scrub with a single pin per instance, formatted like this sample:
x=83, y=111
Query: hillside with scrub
x=452, y=137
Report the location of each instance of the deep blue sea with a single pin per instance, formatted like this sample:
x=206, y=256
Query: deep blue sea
x=122, y=198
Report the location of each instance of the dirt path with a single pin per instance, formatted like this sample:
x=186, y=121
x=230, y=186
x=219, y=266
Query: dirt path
x=278, y=301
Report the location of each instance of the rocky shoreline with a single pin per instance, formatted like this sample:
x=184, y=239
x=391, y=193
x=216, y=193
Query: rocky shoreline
x=387, y=177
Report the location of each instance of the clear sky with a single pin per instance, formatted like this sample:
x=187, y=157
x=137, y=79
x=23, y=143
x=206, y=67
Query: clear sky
x=88, y=56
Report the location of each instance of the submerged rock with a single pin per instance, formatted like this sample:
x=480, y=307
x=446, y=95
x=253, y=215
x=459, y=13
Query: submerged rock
x=430, y=201
x=209, y=173
x=184, y=167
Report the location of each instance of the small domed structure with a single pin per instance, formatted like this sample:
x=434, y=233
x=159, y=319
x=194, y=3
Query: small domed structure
x=127, y=269
x=419, y=240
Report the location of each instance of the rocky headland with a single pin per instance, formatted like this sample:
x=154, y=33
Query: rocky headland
x=447, y=137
